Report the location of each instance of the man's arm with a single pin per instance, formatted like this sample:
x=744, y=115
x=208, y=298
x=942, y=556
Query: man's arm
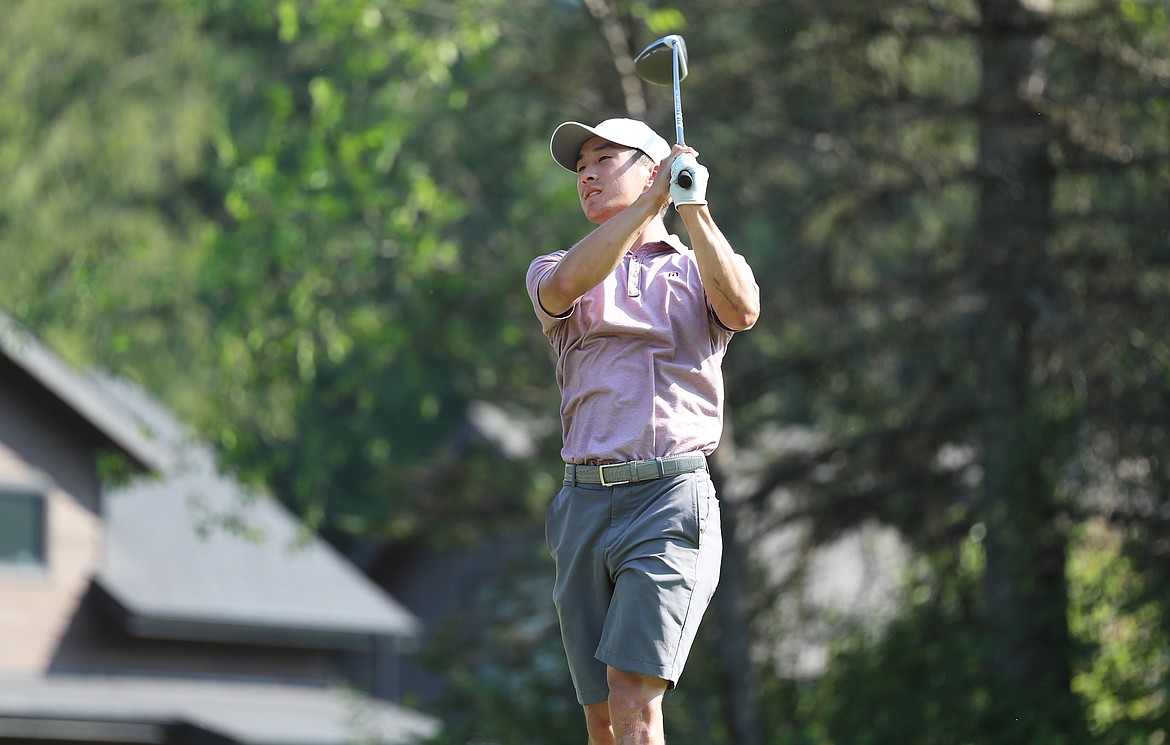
x=595, y=256
x=730, y=284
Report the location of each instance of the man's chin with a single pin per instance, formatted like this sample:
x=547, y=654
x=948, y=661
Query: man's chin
x=597, y=214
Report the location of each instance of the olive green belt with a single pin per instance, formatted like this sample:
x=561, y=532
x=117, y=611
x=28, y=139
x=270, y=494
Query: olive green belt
x=631, y=472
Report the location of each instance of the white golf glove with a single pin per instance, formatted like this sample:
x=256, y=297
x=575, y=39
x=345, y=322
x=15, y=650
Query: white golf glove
x=697, y=193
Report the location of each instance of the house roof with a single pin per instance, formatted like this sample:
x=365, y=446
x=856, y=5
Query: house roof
x=151, y=710
x=196, y=556
x=72, y=388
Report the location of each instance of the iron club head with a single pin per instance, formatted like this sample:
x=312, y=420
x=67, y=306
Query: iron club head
x=656, y=62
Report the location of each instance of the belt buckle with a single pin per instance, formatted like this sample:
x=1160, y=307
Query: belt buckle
x=601, y=474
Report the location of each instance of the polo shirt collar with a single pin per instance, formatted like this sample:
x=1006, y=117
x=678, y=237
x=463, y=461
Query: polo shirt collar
x=671, y=241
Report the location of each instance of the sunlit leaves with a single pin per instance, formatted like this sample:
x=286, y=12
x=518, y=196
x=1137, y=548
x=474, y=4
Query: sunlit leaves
x=1123, y=676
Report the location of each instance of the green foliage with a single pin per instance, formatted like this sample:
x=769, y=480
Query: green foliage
x=343, y=301
x=104, y=117
x=305, y=224
x=509, y=682
x=925, y=682
x=1122, y=679
x=925, y=678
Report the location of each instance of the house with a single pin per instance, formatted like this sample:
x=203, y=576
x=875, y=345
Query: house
x=173, y=606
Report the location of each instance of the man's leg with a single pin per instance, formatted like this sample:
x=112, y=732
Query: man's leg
x=636, y=703
x=635, y=708
x=597, y=721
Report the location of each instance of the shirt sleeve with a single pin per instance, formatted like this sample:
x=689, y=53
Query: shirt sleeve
x=539, y=267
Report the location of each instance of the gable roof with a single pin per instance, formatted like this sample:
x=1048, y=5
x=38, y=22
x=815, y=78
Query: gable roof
x=41, y=365
x=159, y=710
x=194, y=555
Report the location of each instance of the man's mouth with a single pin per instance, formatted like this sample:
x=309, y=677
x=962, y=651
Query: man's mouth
x=590, y=192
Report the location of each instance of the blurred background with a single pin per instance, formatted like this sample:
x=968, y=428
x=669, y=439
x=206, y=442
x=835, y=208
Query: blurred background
x=302, y=227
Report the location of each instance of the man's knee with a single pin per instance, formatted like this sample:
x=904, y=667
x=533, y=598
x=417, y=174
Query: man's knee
x=598, y=724
x=632, y=691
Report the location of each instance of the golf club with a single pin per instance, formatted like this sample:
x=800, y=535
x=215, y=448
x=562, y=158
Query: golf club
x=662, y=63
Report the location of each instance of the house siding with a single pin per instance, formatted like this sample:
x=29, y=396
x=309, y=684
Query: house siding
x=46, y=437
x=95, y=644
x=36, y=605
x=260, y=645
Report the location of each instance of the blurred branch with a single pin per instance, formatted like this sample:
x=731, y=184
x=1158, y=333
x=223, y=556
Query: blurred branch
x=616, y=38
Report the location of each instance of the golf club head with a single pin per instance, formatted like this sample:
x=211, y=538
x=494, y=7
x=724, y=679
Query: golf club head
x=656, y=62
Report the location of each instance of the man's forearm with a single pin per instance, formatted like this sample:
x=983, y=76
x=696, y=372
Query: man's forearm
x=727, y=278
x=595, y=256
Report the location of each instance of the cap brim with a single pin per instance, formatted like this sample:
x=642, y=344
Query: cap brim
x=566, y=143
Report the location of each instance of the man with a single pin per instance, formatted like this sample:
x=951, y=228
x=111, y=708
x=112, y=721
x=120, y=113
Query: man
x=640, y=324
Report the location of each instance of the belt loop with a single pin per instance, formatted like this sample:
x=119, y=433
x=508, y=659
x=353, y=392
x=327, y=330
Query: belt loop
x=571, y=473
x=661, y=467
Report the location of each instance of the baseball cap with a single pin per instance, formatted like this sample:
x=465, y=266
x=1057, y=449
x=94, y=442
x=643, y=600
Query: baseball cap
x=568, y=138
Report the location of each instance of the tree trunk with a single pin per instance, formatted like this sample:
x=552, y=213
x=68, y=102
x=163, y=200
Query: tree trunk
x=730, y=606
x=1026, y=594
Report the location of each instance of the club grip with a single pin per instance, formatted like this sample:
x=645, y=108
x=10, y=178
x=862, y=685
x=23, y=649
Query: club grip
x=685, y=179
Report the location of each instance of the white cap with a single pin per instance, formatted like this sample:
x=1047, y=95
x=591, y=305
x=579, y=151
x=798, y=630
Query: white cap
x=568, y=138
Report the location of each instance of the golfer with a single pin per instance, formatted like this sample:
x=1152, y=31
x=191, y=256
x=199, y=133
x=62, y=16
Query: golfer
x=640, y=324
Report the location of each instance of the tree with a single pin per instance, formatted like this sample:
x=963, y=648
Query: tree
x=941, y=323
x=331, y=270
x=105, y=117
x=306, y=222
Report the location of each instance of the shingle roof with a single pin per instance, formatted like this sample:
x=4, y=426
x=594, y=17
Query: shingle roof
x=247, y=713
x=78, y=393
x=194, y=555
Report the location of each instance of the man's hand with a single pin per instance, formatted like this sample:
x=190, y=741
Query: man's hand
x=697, y=193
x=727, y=278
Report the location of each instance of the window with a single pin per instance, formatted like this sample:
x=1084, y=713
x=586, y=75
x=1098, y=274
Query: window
x=22, y=528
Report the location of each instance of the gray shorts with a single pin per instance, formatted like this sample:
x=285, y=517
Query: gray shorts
x=636, y=566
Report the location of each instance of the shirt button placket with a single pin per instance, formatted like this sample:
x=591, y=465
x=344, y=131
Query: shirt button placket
x=634, y=279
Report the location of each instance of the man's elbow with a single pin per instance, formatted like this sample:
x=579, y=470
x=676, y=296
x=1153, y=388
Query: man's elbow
x=556, y=297
x=740, y=317
x=746, y=321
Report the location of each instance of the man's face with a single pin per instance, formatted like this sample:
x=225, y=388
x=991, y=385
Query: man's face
x=610, y=177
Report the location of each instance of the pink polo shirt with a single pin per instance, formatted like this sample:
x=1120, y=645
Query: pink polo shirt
x=638, y=359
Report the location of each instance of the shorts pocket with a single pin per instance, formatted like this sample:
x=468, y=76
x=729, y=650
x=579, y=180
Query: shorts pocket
x=707, y=506
x=552, y=520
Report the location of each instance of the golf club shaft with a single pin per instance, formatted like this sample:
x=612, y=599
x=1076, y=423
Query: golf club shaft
x=685, y=178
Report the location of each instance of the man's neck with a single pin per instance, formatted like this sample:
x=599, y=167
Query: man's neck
x=656, y=231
